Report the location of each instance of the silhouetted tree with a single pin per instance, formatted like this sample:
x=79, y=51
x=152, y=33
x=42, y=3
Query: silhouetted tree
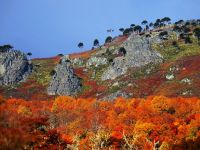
x=29, y=54
x=194, y=24
x=180, y=22
x=198, y=21
x=175, y=44
x=61, y=55
x=151, y=24
x=108, y=39
x=121, y=29
x=122, y=50
x=144, y=22
x=110, y=30
x=5, y=48
x=127, y=31
x=147, y=27
x=148, y=35
x=182, y=36
x=166, y=20
x=137, y=28
x=96, y=42
x=197, y=34
x=163, y=35
x=52, y=73
x=186, y=30
x=80, y=45
x=187, y=23
x=188, y=40
x=157, y=23
x=132, y=25
x=177, y=28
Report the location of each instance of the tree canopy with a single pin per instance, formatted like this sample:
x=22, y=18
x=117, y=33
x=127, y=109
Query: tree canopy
x=80, y=45
x=96, y=42
x=108, y=39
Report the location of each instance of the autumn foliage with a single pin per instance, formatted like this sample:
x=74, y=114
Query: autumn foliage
x=68, y=123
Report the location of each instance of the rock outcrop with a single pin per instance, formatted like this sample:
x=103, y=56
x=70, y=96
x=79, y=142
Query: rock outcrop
x=96, y=61
x=64, y=81
x=138, y=53
x=77, y=62
x=14, y=67
x=115, y=95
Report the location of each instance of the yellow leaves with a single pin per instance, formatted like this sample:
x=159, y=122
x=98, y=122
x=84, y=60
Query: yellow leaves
x=160, y=103
x=164, y=146
x=143, y=128
x=24, y=110
x=72, y=126
x=100, y=139
x=62, y=102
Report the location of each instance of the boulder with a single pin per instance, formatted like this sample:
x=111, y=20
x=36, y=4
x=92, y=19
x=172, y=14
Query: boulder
x=77, y=62
x=64, y=81
x=96, y=61
x=170, y=76
x=116, y=95
x=14, y=67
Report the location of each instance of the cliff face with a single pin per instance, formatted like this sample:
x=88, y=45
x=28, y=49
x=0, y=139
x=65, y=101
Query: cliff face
x=14, y=67
x=64, y=81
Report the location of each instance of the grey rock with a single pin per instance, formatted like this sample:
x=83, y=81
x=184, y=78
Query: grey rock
x=148, y=71
x=96, y=61
x=14, y=67
x=117, y=68
x=138, y=54
x=64, y=81
x=187, y=92
x=186, y=80
x=173, y=69
x=116, y=84
x=77, y=62
x=117, y=94
x=169, y=76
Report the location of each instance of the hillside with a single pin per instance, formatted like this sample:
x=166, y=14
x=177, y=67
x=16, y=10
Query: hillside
x=138, y=91
x=174, y=72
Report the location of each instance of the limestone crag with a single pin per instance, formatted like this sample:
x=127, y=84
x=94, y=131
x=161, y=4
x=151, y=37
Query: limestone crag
x=138, y=53
x=96, y=61
x=14, y=67
x=115, y=95
x=64, y=81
